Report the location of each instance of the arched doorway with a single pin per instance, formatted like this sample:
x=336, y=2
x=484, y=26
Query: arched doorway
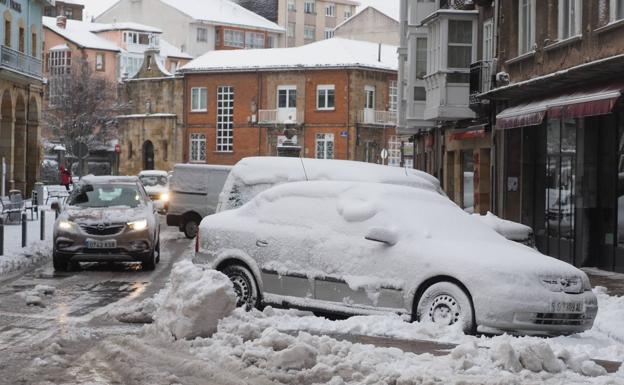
x=33, y=153
x=6, y=139
x=19, y=152
x=148, y=155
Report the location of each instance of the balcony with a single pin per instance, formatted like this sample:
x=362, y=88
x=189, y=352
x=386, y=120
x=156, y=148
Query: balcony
x=481, y=80
x=281, y=116
x=376, y=117
x=20, y=62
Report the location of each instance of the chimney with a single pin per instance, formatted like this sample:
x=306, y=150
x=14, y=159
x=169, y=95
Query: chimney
x=61, y=21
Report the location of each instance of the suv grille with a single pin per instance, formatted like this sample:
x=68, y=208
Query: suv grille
x=106, y=230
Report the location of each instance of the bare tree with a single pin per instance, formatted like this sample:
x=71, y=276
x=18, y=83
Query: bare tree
x=83, y=106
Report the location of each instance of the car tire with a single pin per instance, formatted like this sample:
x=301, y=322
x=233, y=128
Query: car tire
x=190, y=228
x=245, y=286
x=446, y=303
x=60, y=263
x=157, y=249
x=149, y=262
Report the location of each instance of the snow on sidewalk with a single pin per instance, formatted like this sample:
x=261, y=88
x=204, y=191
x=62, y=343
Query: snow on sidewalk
x=36, y=252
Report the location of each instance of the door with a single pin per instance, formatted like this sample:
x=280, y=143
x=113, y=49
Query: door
x=369, y=107
x=287, y=104
x=148, y=155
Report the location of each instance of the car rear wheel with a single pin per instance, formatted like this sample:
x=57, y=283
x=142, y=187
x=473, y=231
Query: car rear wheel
x=446, y=303
x=190, y=228
x=245, y=286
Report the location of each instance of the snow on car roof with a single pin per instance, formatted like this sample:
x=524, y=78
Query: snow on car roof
x=153, y=173
x=92, y=179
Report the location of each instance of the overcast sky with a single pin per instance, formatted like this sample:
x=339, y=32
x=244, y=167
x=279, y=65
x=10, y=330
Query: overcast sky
x=390, y=7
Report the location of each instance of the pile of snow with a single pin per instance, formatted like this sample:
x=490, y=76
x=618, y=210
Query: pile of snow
x=194, y=302
x=16, y=258
x=610, y=317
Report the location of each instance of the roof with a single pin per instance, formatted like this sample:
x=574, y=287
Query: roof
x=169, y=50
x=223, y=12
x=389, y=8
x=330, y=53
x=359, y=13
x=80, y=33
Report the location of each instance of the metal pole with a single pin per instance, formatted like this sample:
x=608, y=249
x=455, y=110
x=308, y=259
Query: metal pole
x=42, y=223
x=24, y=223
x=1, y=236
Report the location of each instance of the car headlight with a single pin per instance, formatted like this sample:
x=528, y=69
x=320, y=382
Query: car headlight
x=164, y=197
x=570, y=284
x=66, y=225
x=138, y=225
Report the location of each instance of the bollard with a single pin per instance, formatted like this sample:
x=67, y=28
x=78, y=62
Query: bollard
x=42, y=223
x=1, y=236
x=24, y=224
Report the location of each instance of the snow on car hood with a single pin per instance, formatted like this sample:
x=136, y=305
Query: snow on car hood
x=94, y=215
x=510, y=230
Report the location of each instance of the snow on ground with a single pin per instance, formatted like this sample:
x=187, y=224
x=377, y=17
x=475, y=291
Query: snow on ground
x=295, y=347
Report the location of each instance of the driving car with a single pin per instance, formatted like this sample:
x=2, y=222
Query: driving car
x=156, y=184
x=106, y=219
x=368, y=248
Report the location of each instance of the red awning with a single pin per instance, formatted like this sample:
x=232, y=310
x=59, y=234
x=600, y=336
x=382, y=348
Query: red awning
x=598, y=101
x=474, y=132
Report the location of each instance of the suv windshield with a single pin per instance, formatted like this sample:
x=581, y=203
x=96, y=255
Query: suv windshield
x=106, y=195
x=153, y=180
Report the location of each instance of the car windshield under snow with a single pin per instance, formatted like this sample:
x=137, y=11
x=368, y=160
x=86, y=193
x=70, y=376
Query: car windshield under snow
x=106, y=195
x=153, y=180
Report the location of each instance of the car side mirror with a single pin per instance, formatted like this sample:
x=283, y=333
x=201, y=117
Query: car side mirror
x=382, y=235
x=56, y=207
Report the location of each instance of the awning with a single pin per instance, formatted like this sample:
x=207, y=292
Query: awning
x=598, y=101
x=472, y=132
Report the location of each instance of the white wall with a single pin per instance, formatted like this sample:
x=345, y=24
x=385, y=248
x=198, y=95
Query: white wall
x=371, y=25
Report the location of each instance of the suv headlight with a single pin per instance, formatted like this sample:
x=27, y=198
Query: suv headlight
x=571, y=284
x=138, y=225
x=66, y=225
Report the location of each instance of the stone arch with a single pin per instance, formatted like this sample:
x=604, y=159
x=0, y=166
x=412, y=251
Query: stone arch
x=19, y=144
x=6, y=138
x=148, y=155
x=33, y=150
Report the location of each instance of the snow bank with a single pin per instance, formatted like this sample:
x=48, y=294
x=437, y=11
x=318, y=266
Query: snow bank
x=16, y=258
x=195, y=301
x=610, y=317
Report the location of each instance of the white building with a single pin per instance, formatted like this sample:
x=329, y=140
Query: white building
x=370, y=24
x=196, y=26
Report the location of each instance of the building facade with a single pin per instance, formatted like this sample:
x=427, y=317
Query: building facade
x=196, y=27
x=295, y=102
x=370, y=24
x=307, y=21
x=71, y=9
x=559, y=126
x=21, y=86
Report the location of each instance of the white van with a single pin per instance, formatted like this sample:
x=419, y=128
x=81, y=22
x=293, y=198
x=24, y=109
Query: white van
x=194, y=193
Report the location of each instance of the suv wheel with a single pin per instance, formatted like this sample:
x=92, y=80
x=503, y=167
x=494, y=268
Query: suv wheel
x=60, y=263
x=149, y=262
x=157, y=249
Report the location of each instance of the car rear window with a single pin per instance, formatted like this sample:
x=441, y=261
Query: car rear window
x=106, y=195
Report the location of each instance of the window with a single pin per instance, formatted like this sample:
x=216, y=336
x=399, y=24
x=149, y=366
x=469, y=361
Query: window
x=68, y=12
x=309, y=32
x=7, y=33
x=617, y=10
x=232, y=38
x=174, y=66
x=421, y=57
x=291, y=6
x=330, y=10
x=324, y=146
x=202, y=34
x=254, y=40
x=130, y=64
x=309, y=6
x=347, y=14
x=287, y=97
x=22, y=40
x=291, y=30
x=198, y=148
x=526, y=26
x=225, y=119
x=59, y=66
x=393, y=93
x=326, y=97
x=569, y=18
x=199, y=99
x=329, y=33
x=488, y=40
x=33, y=44
x=394, y=151
x=420, y=94
x=271, y=41
x=131, y=38
x=369, y=102
x=459, y=44
x=99, y=61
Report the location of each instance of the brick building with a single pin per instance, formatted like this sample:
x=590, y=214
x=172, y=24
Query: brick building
x=558, y=120
x=335, y=98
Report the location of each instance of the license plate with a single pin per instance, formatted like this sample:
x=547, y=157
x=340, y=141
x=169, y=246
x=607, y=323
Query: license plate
x=106, y=244
x=567, y=307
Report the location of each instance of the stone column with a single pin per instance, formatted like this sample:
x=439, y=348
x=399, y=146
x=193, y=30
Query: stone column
x=19, y=156
x=33, y=155
x=7, y=132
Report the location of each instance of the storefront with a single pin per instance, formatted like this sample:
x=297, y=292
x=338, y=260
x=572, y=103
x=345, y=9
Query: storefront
x=562, y=172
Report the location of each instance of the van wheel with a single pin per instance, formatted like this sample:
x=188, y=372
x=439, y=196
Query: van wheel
x=190, y=228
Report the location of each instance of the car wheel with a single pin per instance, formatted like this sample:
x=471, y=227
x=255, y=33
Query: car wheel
x=245, y=286
x=190, y=228
x=445, y=303
x=157, y=249
x=149, y=263
x=60, y=263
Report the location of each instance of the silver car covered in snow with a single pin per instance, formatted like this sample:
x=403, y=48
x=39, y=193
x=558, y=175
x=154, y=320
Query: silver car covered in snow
x=366, y=248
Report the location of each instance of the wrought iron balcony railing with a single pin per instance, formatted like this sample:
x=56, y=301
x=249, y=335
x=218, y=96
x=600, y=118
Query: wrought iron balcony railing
x=20, y=62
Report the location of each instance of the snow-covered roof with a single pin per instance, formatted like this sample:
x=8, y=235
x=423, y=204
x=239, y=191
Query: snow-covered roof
x=60, y=47
x=223, y=12
x=80, y=33
x=330, y=53
x=169, y=50
x=126, y=26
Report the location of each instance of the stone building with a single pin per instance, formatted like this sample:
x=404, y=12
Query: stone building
x=333, y=99
x=370, y=24
x=151, y=134
x=21, y=86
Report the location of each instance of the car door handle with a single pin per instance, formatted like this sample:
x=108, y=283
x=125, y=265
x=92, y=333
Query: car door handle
x=260, y=243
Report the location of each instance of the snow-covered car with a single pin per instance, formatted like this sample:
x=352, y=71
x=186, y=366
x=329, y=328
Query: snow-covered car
x=250, y=176
x=106, y=219
x=513, y=231
x=366, y=248
x=156, y=183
